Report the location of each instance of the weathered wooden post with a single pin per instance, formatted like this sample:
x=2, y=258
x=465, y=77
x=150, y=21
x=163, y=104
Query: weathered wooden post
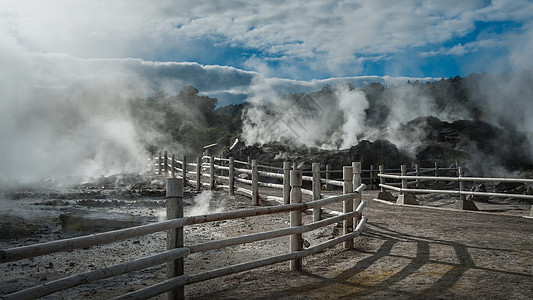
x=371, y=177
x=165, y=166
x=405, y=197
x=198, y=173
x=381, y=179
x=296, y=240
x=463, y=203
x=231, y=174
x=174, y=268
x=172, y=170
x=255, y=183
x=403, y=169
x=356, y=166
x=184, y=170
x=249, y=166
x=315, y=167
x=212, y=172
x=417, y=173
x=328, y=168
x=461, y=184
x=159, y=162
x=221, y=164
x=436, y=170
x=286, y=182
x=347, y=188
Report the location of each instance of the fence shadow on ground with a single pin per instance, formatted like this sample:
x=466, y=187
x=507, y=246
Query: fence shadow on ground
x=355, y=282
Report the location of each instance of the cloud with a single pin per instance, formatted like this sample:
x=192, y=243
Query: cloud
x=64, y=116
x=328, y=37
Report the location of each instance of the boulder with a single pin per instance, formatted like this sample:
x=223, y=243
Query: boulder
x=478, y=188
x=387, y=196
x=97, y=222
x=408, y=198
x=510, y=188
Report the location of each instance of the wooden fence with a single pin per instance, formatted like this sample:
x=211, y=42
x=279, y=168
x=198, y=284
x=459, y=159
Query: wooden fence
x=408, y=179
x=171, y=166
x=292, y=203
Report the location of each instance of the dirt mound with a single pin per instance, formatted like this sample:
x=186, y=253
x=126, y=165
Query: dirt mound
x=380, y=152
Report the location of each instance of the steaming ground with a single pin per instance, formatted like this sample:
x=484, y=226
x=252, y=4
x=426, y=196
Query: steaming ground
x=403, y=252
x=29, y=217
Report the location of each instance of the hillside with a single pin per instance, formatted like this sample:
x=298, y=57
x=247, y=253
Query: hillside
x=449, y=120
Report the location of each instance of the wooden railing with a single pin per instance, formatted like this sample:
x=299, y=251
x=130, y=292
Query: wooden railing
x=164, y=165
x=404, y=189
x=351, y=216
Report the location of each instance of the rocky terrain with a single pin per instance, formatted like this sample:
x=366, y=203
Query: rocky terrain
x=484, y=149
x=404, y=252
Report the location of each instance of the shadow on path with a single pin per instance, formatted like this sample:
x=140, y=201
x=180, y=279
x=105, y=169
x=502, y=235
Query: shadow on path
x=355, y=282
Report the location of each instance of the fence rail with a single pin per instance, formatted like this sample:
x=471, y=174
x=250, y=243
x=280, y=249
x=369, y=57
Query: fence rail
x=292, y=203
x=464, y=203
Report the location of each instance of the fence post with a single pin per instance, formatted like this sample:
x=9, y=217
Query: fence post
x=286, y=182
x=315, y=167
x=381, y=179
x=296, y=218
x=328, y=168
x=184, y=167
x=461, y=184
x=212, y=172
x=255, y=183
x=347, y=188
x=371, y=175
x=464, y=203
x=356, y=166
x=172, y=170
x=174, y=195
x=436, y=170
x=417, y=172
x=404, y=180
x=166, y=163
x=406, y=197
x=249, y=166
x=159, y=164
x=231, y=176
x=198, y=173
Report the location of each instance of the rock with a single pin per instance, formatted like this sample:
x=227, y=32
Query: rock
x=97, y=222
x=478, y=188
x=13, y=227
x=529, y=191
x=510, y=187
x=408, y=198
x=387, y=196
x=380, y=152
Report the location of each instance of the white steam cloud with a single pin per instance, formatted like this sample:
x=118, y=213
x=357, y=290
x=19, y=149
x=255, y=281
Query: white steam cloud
x=202, y=205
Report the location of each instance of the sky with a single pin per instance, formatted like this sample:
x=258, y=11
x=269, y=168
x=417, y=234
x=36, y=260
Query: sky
x=224, y=47
x=68, y=68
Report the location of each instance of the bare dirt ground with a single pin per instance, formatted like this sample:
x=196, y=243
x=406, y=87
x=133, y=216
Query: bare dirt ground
x=403, y=253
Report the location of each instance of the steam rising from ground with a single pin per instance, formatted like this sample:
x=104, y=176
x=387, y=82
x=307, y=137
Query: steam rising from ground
x=333, y=118
x=202, y=205
x=61, y=116
x=65, y=120
x=338, y=117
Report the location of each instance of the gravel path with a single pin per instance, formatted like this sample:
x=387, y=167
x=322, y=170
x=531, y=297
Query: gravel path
x=404, y=252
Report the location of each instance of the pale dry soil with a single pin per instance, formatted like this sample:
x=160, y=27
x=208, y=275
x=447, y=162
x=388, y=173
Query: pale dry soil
x=403, y=253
